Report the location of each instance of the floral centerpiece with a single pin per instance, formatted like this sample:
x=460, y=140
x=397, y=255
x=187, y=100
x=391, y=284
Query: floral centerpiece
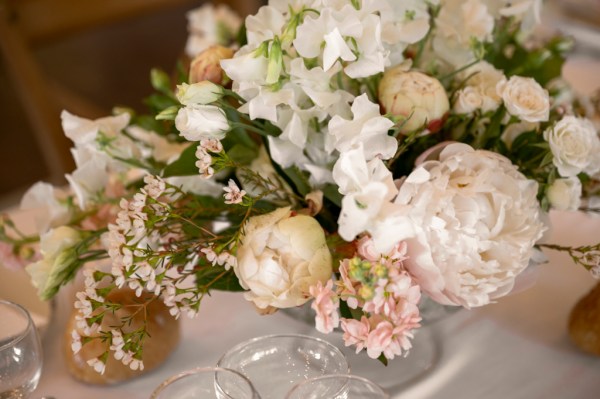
x=354, y=153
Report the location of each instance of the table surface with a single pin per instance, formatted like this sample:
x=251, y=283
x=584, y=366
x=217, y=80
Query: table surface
x=517, y=348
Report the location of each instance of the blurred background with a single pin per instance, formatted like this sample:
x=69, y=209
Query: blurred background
x=88, y=56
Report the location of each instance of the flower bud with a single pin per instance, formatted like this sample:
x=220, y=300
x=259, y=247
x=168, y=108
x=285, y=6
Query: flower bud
x=207, y=65
x=415, y=96
x=204, y=92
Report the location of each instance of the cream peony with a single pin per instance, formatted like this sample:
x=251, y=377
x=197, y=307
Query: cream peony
x=565, y=194
x=416, y=96
x=525, y=98
x=57, y=249
x=476, y=220
x=575, y=146
x=280, y=257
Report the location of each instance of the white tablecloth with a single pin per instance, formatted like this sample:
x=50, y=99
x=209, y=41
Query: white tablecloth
x=517, y=348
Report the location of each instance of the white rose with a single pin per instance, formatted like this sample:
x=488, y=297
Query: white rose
x=196, y=122
x=468, y=100
x=476, y=220
x=57, y=249
x=575, y=146
x=484, y=78
x=204, y=92
x=525, y=98
x=416, y=96
x=280, y=257
x=565, y=194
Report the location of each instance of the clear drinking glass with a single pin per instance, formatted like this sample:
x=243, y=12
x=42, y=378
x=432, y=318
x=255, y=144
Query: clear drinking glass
x=274, y=363
x=20, y=352
x=206, y=383
x=337, y=386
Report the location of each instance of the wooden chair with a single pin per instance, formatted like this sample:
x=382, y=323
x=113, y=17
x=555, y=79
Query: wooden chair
x=28, y=24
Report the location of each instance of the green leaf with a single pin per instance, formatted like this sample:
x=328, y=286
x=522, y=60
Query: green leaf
x=148, y=122
x=345, y=310
x=184, y=166
x=160, y=81
x=383, y=359
x=332, y=193
x=168, y=114
x=227, y=282
x=299, y=179
x=242, y=154
x=493, y=131
x=159, y=102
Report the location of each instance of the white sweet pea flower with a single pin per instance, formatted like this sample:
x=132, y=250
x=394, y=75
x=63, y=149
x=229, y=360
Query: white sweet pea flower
x=575, y=146
x=246, y=69
x=280, y=257
x=196, y=122
x=458, y=23
x=209, y=25
x=158, y=146
x=84, y=131
x=265, y=104
x=525, y=98
x=57, y=250
x=367, y=127
x=526, y=11
x=565, y=194
x=45, y=202
x=476, y=221
x=88, y=180
x=264, y=25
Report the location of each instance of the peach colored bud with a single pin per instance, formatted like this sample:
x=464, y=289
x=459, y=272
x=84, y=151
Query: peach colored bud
x=207, y=65
x=413, y=95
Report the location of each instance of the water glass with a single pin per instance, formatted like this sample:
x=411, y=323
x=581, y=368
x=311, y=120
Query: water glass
x=20, y=352
x=338, y=386
x=275, y=363
x=206, y=383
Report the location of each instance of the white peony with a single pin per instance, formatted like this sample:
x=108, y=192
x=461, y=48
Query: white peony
x=575, y=146
x=280, y=257
x=565, y=194
x=416, y=96
x=197, y=122
x=525, y=98
x=476, y=219
x=57, y=249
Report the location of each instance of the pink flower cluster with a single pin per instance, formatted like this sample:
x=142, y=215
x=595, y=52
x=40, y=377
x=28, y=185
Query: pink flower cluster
x=379, y=287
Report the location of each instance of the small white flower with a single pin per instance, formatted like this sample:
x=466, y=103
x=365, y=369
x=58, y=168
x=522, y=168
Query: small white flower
x=525, y=98
x=98, y=365
x=565, y=194
x=197, y=122
x=575, y=146
x=233, y=194
x=75, y=342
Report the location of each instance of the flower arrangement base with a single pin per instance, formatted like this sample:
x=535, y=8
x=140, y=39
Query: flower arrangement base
x=584, y=322
x=163, y=330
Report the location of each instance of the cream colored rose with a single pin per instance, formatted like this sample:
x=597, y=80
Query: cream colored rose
x=483, y=78
x=207, y=65
x=575, y=146
x=280, y=257
x=57, y=249
x=204, y=92
x=525, y=98
x=413, y=95
x=197, y=122
x=468, y=100
x=565, y=194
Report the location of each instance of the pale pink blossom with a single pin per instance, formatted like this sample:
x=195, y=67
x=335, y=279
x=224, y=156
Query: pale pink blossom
x=75, y=341
x=97, y=364
x=8, y=258
x=356, y=332
x=325, y=305
x=233, y=194
x=211, y=145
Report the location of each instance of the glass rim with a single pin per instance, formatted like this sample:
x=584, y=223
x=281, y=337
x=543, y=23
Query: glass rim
x=159, y=389
x=22, y=334
x=355, y=377
x=284, y=335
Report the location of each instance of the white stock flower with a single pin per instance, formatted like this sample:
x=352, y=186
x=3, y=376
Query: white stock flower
x=476, y=218
x=280, y=257
x=457, y=25
x=413, y=95
x=565, y=194
x=56, y=248
x=197, y=122
x=525, y=98
x=44, y=201
x=575, y=146
x=367, y=127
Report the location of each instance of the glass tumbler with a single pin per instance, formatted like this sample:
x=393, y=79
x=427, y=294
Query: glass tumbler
x=206, y=383
x=337, y=386
x=274, y=363
x=20, y=352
